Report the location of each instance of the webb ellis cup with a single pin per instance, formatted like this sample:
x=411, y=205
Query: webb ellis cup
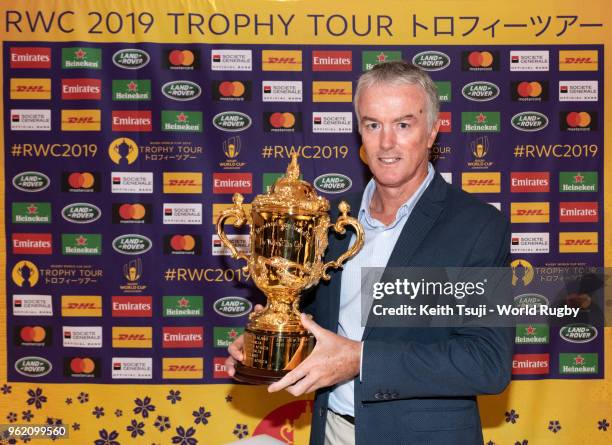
x=288, y=230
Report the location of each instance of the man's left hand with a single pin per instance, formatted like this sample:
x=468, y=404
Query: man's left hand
x=334, y=359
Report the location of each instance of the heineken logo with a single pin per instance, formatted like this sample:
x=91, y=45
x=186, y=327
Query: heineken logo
x=183, y=306
x=533, y=334
x=333, y=183
x=583, y=363
x=578, y=181
x=480, y=91
x=224, y=336
x=128, y=90
x=31, y=181
x=80, y=57
x=232, y=306
x=373, y=58
x=132, y=244
x=480, y=122
x=31, y=212
x=131, y=59
x=81, y=244
x=33, y=366
x=231, y=121
x=529, y=121
x=578, y=333
x=528, y=300
x=182, y=90
x=81, y=213
x=182, y=121
x=431, y=60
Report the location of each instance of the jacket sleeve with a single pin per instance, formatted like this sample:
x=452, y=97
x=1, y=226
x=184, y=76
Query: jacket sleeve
x=471, y=361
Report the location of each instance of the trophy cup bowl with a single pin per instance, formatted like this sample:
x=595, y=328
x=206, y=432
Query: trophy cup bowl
x=288, y=232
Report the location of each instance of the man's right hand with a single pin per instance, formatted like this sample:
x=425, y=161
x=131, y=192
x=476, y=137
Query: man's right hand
x=235, y=349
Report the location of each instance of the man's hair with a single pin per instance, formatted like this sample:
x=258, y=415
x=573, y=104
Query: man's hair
x=397, y=73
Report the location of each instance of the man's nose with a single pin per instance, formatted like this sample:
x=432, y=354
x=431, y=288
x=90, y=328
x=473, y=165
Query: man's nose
x=387, y=138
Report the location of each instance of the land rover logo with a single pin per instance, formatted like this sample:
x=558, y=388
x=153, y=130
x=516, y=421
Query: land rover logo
x=333, y=183
x=182, y=90
x=480, y=91
x=33, y=366
x=578, y=333
x=232, y=306
x=81, y=213
x=131, y=59
x=132, y=244
x=31, y=181
x=529, y=121
x=232, y=121
x=431, y=60
x=530, y=300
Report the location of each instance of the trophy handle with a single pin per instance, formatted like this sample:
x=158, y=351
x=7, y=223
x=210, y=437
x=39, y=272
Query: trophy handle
x=342, y=221
x=236, y=211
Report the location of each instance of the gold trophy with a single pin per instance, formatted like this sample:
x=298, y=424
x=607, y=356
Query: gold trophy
x=288, y=230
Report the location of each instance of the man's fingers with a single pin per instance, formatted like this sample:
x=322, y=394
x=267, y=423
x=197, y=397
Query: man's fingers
x=288, y=380
x=313, y=327
x=258, y=308
x=302, y=386
x=235, y=348
x=230, y=366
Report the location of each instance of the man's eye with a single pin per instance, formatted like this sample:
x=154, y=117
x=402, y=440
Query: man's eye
x=404, y=125
x=373, y=125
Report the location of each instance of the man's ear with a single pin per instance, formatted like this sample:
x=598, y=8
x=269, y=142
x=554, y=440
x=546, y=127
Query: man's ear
x=434, y=133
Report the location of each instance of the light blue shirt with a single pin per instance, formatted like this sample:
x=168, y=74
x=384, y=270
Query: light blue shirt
x=379, y=243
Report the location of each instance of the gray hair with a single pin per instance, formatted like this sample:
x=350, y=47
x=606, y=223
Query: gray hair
x=397, y=73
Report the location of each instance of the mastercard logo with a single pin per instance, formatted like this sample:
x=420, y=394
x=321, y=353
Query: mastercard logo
x=282, y=120
x=480, y=59
x=182, y=243
x=231, y=89
x=179, y=57
x=33, y=334
x=78, y=180
x=577, y=119
x=529, y=89
x=82, y=365
x=132, y=211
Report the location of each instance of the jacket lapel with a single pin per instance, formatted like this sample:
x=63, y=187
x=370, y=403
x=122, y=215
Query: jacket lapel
x=419, y=224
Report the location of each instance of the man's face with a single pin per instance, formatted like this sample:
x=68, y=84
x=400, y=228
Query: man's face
x=395, y=134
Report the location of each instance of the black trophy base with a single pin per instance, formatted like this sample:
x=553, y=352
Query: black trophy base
x=254, y=376
x=270, y=355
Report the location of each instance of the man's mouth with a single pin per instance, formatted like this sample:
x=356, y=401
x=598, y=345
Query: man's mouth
x=388, y=160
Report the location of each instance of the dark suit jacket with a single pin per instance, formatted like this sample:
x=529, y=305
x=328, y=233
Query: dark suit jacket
x=419, y=385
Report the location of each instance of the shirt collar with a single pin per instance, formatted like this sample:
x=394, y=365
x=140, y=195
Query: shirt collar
x=404, y=210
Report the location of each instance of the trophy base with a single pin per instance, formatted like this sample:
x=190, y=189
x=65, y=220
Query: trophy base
x=254, y=376
x=270, y=355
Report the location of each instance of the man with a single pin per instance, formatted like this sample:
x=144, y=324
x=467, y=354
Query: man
x=402, y=385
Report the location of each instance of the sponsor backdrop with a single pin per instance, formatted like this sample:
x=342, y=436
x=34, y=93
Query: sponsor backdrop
x=127, y=128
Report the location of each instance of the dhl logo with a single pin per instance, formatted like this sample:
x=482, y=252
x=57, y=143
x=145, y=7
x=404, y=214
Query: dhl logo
x=30, y=89
x=182, y=182
x=481, y=182
x=578, y=242
x=284, y=60
x=274, y=60
x=586, y=60
x=132, y=337
x=530, y=212
x=81, y=120
x=183, y=368
x=323, y=91
x=81, y=306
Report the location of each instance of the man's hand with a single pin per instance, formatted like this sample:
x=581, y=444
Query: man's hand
x=235, y=349
x=334, y=359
